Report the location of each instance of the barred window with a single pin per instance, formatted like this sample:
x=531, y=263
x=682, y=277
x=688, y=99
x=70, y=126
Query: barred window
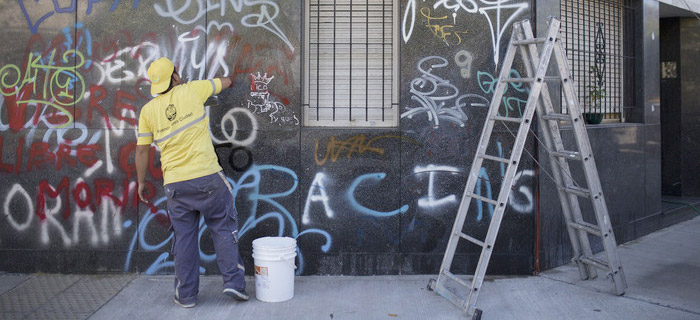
x=351, y=63
x=599, y=42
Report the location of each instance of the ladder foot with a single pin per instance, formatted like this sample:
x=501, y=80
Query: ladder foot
x=477, y=314
x=431, y=284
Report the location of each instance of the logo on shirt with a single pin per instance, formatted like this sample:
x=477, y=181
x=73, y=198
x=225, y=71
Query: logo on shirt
x=171, y=112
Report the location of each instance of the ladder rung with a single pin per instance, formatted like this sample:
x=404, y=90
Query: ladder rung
x=453, y=277
x=491, y=201
x=471, y=239
x=529, y=79
x=581, y=192
x=492, y=158
x=529, y=41
x=557, y=117
x=508, y=119
x=588, y=227
x=596, y=263
x=572, y=155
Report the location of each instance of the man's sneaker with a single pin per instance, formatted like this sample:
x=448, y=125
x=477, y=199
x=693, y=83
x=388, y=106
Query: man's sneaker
x=239, y=295
x=184, y=305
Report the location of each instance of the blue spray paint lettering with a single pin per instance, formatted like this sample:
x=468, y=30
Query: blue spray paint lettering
x=34, y=27
x=250, y=180
x=357, y=206
x=483, y=176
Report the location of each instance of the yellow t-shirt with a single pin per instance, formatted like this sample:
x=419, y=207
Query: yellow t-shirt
x=177, y=122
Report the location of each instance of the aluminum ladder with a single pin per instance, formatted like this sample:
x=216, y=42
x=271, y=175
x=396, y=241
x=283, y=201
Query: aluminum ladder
x=569, y=191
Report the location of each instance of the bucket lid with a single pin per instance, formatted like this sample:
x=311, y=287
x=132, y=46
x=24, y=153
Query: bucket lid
x=268, y=256
x=272, y=243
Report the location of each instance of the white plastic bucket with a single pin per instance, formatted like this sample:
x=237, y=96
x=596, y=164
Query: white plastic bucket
x=274, y=268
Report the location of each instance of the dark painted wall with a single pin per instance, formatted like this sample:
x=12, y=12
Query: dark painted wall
x=680, y=99
x=359, y=201
x=690, y=107
x=671, y=130
x=622, y=156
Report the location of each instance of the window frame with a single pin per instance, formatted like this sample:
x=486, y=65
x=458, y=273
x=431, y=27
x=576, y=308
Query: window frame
x=393, y=108
x=577, y=18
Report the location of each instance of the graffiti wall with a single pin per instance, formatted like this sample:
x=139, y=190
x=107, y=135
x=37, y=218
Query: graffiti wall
x=450, y=59
x=369, y=201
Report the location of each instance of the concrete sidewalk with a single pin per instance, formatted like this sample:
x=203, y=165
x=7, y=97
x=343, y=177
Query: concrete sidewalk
x=662, y=270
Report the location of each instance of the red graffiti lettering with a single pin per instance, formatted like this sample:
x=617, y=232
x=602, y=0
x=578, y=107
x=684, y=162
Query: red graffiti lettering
x=39, y=154
x=63, y=153
x=17, y=113
x=121, y=95
x=86, y=154
x=127, y=165
x=97, y=94
x=83, y=201
x=124, y=159
x=46, y=188
x=104, y=188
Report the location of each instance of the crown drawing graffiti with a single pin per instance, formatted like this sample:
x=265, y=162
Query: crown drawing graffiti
x=264, y=79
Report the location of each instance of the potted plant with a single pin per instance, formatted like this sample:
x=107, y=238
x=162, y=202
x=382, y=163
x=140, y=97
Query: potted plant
x=596, y=93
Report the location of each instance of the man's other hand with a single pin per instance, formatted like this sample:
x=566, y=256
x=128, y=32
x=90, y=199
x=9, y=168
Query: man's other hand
x=142, y=188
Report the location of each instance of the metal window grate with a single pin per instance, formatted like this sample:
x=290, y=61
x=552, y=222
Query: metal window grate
x=350, y=63
x=599, y=41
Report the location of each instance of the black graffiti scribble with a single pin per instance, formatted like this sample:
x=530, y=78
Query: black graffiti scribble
x=231, y=156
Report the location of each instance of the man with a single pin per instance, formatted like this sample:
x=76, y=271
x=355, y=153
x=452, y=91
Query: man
x=193, y=180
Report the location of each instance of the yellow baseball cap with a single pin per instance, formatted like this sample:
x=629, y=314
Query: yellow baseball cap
x=159, y=72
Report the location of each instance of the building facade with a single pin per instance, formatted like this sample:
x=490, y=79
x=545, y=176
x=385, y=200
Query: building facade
x=351, y=126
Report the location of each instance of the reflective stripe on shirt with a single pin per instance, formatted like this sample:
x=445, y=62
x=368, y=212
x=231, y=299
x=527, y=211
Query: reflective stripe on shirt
x=170, y=135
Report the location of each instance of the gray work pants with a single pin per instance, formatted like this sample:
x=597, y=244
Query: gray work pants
x=211, y=197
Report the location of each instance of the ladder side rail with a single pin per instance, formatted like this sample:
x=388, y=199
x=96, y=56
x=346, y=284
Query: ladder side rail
x=475, y=169
x=589, y=165
x=593, y=180
x=560, y=167
x=458, y=224
x=516, y=153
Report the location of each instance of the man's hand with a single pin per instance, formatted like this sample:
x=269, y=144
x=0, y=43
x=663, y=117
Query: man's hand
x=142, y=188
x=226, y=82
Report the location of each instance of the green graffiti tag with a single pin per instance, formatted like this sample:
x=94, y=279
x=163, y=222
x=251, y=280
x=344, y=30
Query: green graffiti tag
x=60, y=86
x=488, y=83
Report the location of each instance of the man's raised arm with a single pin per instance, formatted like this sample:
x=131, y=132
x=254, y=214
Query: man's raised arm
x=225, y=83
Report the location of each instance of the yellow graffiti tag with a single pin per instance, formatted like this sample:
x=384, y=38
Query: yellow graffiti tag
x=440, y=31
x=62, y=85
x=355, y=144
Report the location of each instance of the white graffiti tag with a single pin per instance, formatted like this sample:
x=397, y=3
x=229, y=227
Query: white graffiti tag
x=497, y=31
x=229, y=121
x=522, y=200
x=262, y=102
x=317, y=193
x=433, y=93
x=500, y=8
x=430, y=201
x=463, y=59
x=265, y=18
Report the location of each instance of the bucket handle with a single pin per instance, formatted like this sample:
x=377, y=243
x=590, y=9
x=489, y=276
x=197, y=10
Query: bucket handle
x=290, y=262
